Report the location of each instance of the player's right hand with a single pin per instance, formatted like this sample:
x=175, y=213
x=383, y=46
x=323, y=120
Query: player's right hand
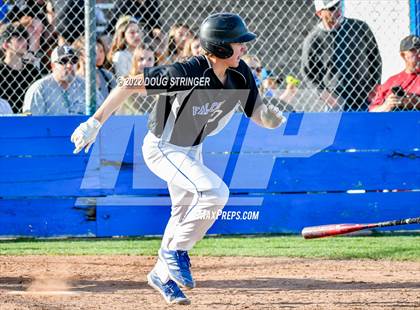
x=85, y=134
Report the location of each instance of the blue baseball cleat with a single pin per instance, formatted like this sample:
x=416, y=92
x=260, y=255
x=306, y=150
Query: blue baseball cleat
x=178, y=263
x=169, y=290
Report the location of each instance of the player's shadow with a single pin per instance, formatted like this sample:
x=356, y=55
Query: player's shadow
x=249, y=285
x=98, y=286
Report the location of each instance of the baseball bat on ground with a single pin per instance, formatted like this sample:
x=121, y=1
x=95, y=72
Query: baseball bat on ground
x=339, y=229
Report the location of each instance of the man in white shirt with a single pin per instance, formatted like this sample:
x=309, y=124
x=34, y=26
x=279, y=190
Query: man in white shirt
x=60, y=93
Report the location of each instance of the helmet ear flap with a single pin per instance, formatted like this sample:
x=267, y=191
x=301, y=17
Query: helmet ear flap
x=220, y=50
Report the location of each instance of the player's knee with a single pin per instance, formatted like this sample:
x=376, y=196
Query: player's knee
x=217, y=196
x=223, y=193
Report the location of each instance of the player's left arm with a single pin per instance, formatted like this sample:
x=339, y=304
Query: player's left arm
x=264, y=115
x=268, y=116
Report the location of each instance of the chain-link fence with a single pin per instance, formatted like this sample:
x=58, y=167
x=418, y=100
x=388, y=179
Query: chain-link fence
x=312, y=63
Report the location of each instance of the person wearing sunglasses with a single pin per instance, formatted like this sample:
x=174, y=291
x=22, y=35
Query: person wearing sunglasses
x=60, y=93
x=341, y=59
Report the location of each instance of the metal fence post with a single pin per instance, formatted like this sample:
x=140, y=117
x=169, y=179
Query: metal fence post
x=90, y=54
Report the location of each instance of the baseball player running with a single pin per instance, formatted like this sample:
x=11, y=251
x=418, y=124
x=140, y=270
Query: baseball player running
x=184, y=115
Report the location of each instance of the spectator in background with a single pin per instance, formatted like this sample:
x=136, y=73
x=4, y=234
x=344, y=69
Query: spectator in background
x=17, y=71
x=178, y=36
x=50, y=14
x=402, y=91
x=271, y=88
x=35, y=28
x=61, y=92
x=340, y=58
x=79, y=47
x=105, y=80
x=143, y=57
x=258, y=71
x=38, y=16
x=159, y=45
x=127, y=37
x=192, y=47
x=31, y=19
x=5, y=107
x=269, y=84
x=146, y=12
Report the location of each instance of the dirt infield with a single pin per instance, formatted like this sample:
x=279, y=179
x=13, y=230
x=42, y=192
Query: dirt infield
x=118, y=282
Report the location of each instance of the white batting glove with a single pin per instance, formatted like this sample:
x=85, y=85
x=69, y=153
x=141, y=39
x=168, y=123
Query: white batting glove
x=275, y=111
x=85, y=134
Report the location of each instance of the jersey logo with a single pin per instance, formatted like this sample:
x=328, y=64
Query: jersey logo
x=206, y=108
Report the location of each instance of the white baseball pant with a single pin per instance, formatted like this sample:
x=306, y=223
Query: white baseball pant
x=194, y=189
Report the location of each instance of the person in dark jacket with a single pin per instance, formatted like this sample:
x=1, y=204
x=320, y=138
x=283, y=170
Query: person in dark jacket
x=17, y=69
x=341, y=59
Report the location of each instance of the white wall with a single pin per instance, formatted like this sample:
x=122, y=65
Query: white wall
x=390, y=22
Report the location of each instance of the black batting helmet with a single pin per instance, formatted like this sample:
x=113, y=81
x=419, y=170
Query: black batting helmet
x=219, y=30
